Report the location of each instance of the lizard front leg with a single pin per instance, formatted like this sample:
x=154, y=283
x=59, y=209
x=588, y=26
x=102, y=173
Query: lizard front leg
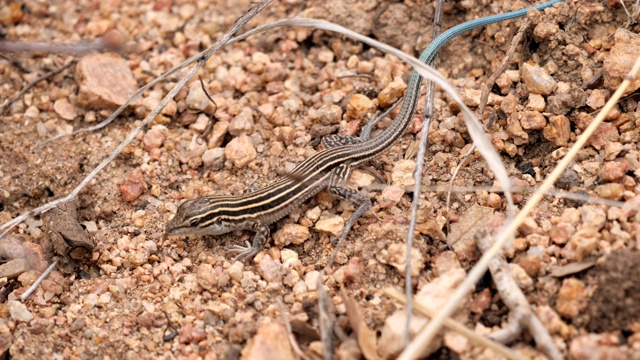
x=249, y=251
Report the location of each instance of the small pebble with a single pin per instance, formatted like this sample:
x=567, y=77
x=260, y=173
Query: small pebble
x=105, y=81
x=28, y=277
x=213, y=158
x=10, y=13
x=197, y=99
x=132, y=187
x=396, y=256
x=597, y=346
x=217, y=134
x=604, y=134
x=63, y=108
x=354, y=270
x=391, y=195
x=235, y=271
x=206, y=276
x=610, y=191
x=535, y=103
x=572, y=298
x=201, y=123
x=360, y=106
x=311, y=280
x=270, y=342
x=543, y=30
x=291, y=234
x=326, y=56
x=154, y=138
x=533, y=120
x=597, y=98
x=471, y=97
x=558, y=130
x=402, y=173
x=622, y=55
x=330, y=223
x=331, y=114
x=240, y=151
x=391, y=93
x=12, y=269
x=242, y=123
x=537, y=79
x=19, y=311
x=614, y=171
x=288, y=256
x=270, y=270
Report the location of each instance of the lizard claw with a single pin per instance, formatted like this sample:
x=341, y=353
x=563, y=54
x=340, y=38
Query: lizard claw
x=244, y=252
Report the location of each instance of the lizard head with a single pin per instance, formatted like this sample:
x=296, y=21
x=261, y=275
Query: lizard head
x=205, y=215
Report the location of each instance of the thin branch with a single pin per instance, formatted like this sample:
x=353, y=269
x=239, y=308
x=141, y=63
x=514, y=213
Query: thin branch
x=516, y=301
x=417, y=174
x=33, y=83
x=77, y=49
x=35, y=285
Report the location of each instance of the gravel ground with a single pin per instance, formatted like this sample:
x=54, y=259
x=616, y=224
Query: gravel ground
x=124, y=290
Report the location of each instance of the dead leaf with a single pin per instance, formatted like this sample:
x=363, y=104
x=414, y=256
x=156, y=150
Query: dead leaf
x=66, y=235
x=461, y=236
x=572, y=268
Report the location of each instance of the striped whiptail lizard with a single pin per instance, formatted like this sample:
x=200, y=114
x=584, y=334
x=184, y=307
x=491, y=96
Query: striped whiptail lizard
x=329, y=168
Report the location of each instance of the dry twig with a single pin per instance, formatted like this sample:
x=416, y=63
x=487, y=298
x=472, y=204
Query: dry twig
x=417, y=175
x=521, y=315
x=35, y=285
x=33, y=83
x=111, y=42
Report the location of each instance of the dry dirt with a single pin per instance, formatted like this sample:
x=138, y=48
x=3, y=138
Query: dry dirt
x=295, y=86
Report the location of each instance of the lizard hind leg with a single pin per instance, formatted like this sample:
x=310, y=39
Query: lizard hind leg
x=336, y=188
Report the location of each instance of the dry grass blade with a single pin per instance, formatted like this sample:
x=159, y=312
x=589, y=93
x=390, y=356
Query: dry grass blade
x=478, y=271
x=572, y=268
x=456, y=326
x=366, y=337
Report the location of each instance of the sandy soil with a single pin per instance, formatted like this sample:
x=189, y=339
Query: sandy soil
x=278, y=94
